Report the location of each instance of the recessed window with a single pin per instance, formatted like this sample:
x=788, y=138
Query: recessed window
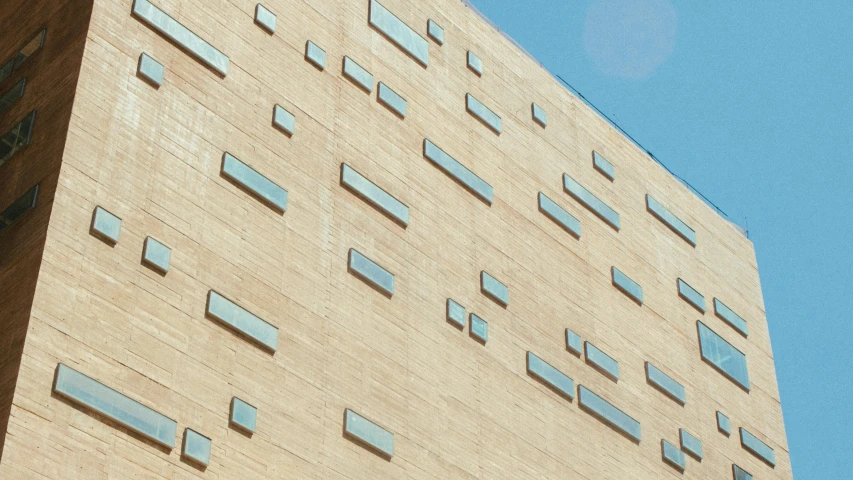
x=723, y=356
x=22, y=55
x=494, y=289
x=758, y=448
x=369, y=434
x=601, y=361
x=724, y=425
x=392, y=100
x=399, y=33
x=435, y=32
x=156, y=255
x=690, y=444
x=603, y=166
x=458, y=172
x=591, y=202
x=455, y=313
x=150, y=70
x=105, y=225
x=18, y=208
x=731, y=317
x=626, y=285
x=553, y=378
x=10, y=97
x=474, y=63
x=196, y=447
x=561, y=217
x=17, y=138
x=666, y=384
x=674, y=223
x=691, y=296
x=673, y=456
x=482, y=113
x=242, y=321
x=258, y=185
x=610, y=415
x=371, y=272
x=95, y=396
x=740, y=474
x=539, y=115
x=358, y=74
x=265, y=18
x=374, y=195
x=574, y=343
x=170, y=28
x=283, y=120
x=243, y=416
x=478, y=328
x=315, y=55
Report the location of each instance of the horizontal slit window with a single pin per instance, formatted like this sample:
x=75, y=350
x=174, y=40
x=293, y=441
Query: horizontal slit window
x=591, y=202
x=315, y=55
x=730, y=317
x=19, y=207
x=458, y=172
x=603, y=166
x=601, y=361
x=95, y=396
x=391, y=99
x=358, y=74
x=758, y=448
x=399, y=33
x=691, y=296
x=674, y=223
x=626, y=285
x=10, y=97
x=494, y=289
x=475, y=63
x=257, y=184
x=561, y=217
x=435, y=32
x=369, y=434
x=552, y=377
x=740, y=474
x=371, y=272
x=610, y=415
x=242, y=321
x=574, y=344
x=374, y=195
x=483, y=113
x=666, y=384
x=723, y=356
x=170, y=28
x=17, y=138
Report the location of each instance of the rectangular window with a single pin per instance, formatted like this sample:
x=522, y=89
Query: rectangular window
x=283, y=120
x=475, y=64
x=690, y=444
x=150, y=70
x=626, y=285
x=691, y=296
x=601, y=361
x=603, y=166
x=723, y=356
x=482, y=113
x=196, y=447
x=549, y=375
x=369, y=271
x=674, y=223
x=315, y=55
x=369, y=434
x=399, y=33
x=494, y=289
x=23, y=54
x=105, y=225
x=591, y=202
x=435, y=32
x=539, y=115
x=574, y=343
x=455, y=313
x=243, y=416
x=561, y=217
x=458, y=172
x=724, y=424
x=673, y=456
x=607, y=413
x=666, y=384
x=731, y=317
x=265, y=18
x=170, y=28
x=740, y=474
x=257, y=184
x=10, y=97
x=156, y=255
x=374, y=195
x=17, y=138
x=18, y=208
x=391, y=99
x=478, y=328
x=242, y=321
x=93, y=395
x=758, y=448
x=357, y=74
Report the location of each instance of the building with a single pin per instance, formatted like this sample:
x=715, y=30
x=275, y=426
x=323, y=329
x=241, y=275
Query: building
x=350, y=239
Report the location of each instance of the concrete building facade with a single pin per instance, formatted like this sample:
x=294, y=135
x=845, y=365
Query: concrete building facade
x=350, y=239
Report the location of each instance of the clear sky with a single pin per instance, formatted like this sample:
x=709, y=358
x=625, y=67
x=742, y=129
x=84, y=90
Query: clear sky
x=752, y=103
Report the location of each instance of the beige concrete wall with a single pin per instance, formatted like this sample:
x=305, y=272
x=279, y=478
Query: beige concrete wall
x=458, y=409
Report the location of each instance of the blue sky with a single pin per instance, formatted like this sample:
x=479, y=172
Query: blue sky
x=751, y=103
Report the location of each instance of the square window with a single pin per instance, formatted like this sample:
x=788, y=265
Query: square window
x=243, y=416
x=196, y=447
x=106, y=225
x=156, y=255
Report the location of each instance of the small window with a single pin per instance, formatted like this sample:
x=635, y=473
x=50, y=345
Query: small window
x=740, y=474
x=196, y=448
x=670, y=220
x=156, y=255
x=560, y=216
x=399, y=33
x=478, y=328
x=358, y=74
x=17, y=138
x=673, y=456
x=573, y=343
x=283, y=120
x=609, y=414
x=370, y=271
x=258, y=185
x=482, y=113
x=601, y=361
x=539, y=115
x=475, y=64
x=150, y=70
x=603, y=166
x=23, y=54
x=265, y=18
x=374, y=195
x=590, y=201
x=666, y=384
x=724, y=425
x=550, y=376
x=368, y=434
x=435, y=32
x=105, y=225
x=720, y=354
x=690, y=444
x=18, y=208
x=691, y=296
x=392, y=100
x=10, y=97
x=242, y=321
x=315, y=55
x=458, y=172
x=626, y=285
x=243, y=416
x=758, y=448
x=494, y=289
x=455, y=314
x=730, y=317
